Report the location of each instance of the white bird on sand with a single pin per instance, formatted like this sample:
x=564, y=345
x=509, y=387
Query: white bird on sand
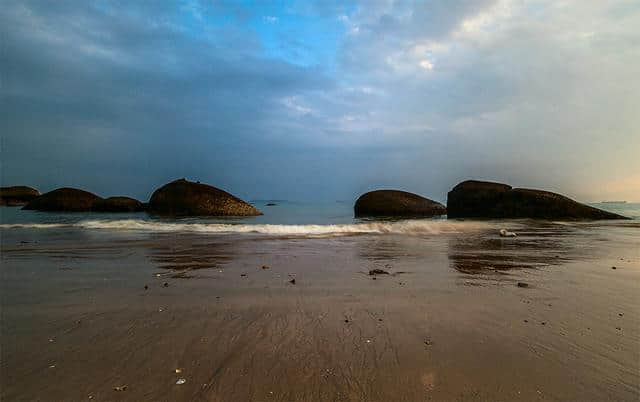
x=504, y=233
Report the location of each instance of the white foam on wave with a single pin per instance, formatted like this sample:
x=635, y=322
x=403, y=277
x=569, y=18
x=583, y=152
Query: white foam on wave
x=411, y=227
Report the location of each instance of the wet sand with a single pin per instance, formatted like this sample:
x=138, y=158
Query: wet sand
x=448, y=323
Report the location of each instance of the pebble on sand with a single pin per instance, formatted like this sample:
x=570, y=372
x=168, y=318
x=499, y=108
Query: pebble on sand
x=523, y=285
x=120, y=388
x=265, y=267
x=613, y=268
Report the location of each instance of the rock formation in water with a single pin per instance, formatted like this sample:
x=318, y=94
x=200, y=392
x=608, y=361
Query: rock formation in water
x=182, y=197
x=118, y=204
x=64, y=199
x=480, y=199
x=394, y=203
x=17, y=195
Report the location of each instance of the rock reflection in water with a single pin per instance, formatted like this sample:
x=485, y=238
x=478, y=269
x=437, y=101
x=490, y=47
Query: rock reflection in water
x=485, y=255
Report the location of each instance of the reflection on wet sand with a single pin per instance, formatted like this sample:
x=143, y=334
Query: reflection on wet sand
x=488, y=255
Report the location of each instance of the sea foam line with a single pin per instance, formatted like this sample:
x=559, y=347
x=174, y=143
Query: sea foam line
x=397, y=227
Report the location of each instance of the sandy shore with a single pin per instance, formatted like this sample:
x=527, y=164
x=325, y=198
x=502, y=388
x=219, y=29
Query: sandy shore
x=448, y=323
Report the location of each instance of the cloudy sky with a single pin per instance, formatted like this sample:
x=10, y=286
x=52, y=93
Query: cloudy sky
x=326, y=100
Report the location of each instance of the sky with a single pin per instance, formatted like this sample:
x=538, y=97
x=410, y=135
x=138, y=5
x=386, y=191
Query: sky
x=324, y=100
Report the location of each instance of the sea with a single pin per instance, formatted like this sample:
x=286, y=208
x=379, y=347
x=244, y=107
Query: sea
x=283, y=218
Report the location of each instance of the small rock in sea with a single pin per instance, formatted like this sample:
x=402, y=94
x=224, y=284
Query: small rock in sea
x=523, y=285
x=181, y=381
x=504, y=233
x=265, y=267
x=166, y=284
x=120, y=388
x=378, y=271
x=293, y=281
x=271, y=204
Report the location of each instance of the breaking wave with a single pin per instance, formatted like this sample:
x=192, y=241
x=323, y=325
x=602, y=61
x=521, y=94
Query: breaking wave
x=415, y=227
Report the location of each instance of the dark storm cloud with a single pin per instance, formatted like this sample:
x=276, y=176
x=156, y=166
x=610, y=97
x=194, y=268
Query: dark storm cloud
x=98, y=98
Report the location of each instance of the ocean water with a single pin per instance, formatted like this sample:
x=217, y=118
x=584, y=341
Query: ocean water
x=284, y=218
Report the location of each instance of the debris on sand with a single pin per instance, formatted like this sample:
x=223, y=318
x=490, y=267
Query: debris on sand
x=265, y=267
x=504, y=233
x=178, y=371
x=620, y=314
x=378, y=271
x=523, y=285
x=166, y=284
x=613, y=268
x=293, y=281
x=181, y=381
x=243, y=275
x=120, y=388
x=146, y=287
x=428, y=342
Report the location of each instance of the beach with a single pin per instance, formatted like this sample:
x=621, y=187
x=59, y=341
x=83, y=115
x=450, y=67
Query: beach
x=289, y=312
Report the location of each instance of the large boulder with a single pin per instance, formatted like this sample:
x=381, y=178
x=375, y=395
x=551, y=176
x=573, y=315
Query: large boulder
x=64, y=199
x=17, y=195
x=118, y=204
x=182, y=197
x=394, y=203
x=479, y=199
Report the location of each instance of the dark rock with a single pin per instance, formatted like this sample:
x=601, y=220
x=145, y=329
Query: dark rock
x=166, y=285
x=479, y=199
x=271, y=204
x=293, y=281
x=182, y=197
x=17, y=195
x=378, y=271
x=64, y=199
x=613, y=268
x=243, y=275
x=146, y=287
x=265, y=267
x=523, y=285
x=394, y=203
x=118, y=204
